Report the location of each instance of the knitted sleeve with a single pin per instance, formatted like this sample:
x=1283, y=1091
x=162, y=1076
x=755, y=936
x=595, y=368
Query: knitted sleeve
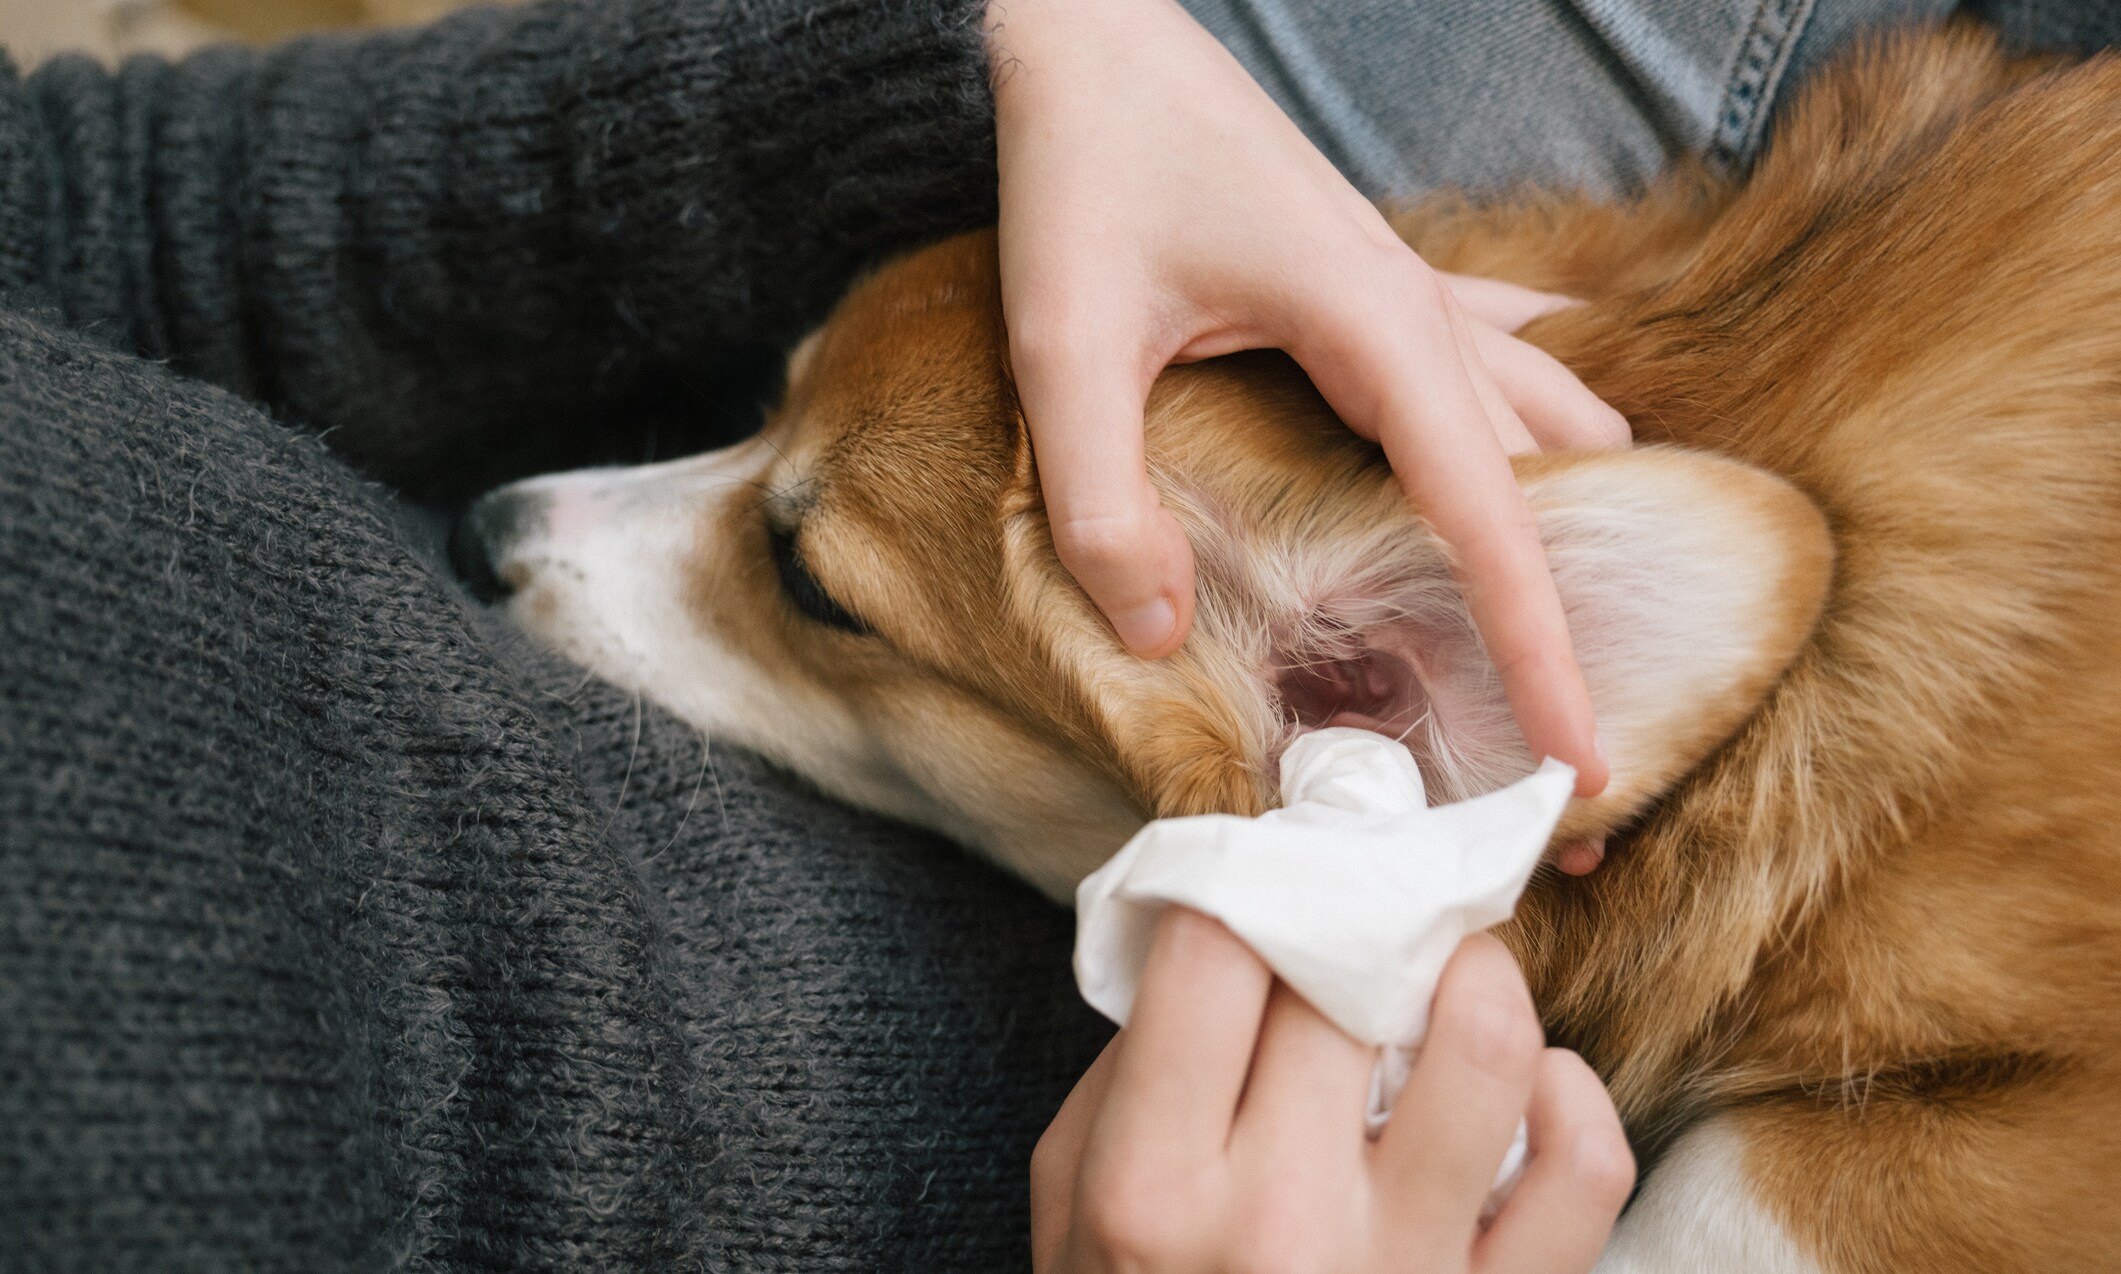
x=2082, y=27
x=441, y=243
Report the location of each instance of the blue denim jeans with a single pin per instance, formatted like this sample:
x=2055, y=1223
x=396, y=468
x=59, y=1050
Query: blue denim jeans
x=1408, y=95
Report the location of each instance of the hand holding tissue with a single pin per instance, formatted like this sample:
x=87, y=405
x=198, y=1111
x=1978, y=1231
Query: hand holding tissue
x=1355, y=892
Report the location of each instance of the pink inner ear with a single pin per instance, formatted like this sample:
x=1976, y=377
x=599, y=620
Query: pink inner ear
x=1367, y=688
x=1418, y=675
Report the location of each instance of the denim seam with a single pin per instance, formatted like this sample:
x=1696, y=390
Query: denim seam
x=1763, y=56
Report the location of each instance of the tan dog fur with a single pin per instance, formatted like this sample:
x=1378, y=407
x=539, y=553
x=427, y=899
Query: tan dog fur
x=1883, y=926
x=1854, y=959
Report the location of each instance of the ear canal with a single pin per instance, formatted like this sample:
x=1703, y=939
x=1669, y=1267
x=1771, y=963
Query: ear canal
x=1362, y=686
x=1690, y=582
x=1394, y=651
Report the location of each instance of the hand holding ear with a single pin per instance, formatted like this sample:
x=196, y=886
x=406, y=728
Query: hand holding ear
x=1223, y=1129
x=1156, y=207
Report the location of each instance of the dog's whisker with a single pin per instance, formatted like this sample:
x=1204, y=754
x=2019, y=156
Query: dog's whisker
x=633, y=754
x=706, y=764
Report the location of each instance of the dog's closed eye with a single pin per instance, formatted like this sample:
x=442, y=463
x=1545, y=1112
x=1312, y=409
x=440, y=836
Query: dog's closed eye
x=801, y=588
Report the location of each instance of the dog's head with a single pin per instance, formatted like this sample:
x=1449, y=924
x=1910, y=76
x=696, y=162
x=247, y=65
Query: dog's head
x=867, y=592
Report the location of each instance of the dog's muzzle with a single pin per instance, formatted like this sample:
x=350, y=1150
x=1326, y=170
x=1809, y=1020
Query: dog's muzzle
x=479, y=542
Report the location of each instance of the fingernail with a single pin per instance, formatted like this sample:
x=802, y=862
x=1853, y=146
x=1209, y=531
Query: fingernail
x=1146, y=627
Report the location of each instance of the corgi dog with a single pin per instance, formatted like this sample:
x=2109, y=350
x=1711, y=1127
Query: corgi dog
x=1848, y=614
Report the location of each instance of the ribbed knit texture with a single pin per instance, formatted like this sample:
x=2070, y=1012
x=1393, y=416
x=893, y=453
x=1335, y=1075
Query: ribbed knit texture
x=340, y=930
x=460, y=241
x=2053, y=26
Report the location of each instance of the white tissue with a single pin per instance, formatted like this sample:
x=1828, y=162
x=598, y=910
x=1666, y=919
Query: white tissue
x=1355, y=892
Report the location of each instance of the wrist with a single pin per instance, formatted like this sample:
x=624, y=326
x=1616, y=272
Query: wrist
x=1032, y=44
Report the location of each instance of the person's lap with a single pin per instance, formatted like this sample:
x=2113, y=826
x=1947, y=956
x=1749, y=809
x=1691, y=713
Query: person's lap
x=341, y=924
x=1486, y=94
x=795, y=993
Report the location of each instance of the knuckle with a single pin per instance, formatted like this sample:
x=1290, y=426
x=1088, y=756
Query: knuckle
x=1618, y=431
x=1276, y=1238
x=1502, y=1036
x=1100, y=542
x=1605, y=1168
x=1049, y=1161
x=1253, y=1258
x=1608, y=428
x=1483, y=966
x=1195, y=935
x=1379, y=229
x=1408, y=278
x=1496, y=1028
x=1591, y=1137
x=1131, y=1218
x=1532, y=657
x=1055, y=333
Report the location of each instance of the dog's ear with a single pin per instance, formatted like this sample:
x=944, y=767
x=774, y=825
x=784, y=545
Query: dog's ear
x=1188, y=734
x=1690, y=583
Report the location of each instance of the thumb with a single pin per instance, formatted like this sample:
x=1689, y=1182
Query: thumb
x=1083, y=407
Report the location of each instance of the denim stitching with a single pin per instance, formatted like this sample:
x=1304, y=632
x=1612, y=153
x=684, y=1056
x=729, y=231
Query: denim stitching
x=1762, y=57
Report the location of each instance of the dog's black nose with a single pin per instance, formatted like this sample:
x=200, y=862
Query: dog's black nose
x=482, y=535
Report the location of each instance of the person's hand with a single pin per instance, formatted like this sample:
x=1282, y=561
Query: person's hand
x=1223, y=1130
x=1156, y=206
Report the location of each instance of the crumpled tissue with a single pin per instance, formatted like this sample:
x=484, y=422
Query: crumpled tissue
x=1355, y=892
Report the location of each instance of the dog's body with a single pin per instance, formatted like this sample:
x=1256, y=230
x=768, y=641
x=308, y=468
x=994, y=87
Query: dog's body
x=1851, y=971
x=1875, y=941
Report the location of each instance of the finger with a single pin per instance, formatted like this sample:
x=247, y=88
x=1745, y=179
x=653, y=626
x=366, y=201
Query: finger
x=1454, y=1119
x=1190, y=1038
x=1082, y=402
x=1560, y=412
x=1581, y=858
x=1503, y=420
x=1303, y=1102
x=1576, y=1180
x=1503, y=306
x=1058, y=1156
x=1406, y=385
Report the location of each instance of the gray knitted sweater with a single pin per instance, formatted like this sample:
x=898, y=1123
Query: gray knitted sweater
x=338, y=930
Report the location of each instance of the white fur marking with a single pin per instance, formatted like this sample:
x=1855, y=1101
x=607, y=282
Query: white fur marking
x=602, y=572
x=1697, y=1215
